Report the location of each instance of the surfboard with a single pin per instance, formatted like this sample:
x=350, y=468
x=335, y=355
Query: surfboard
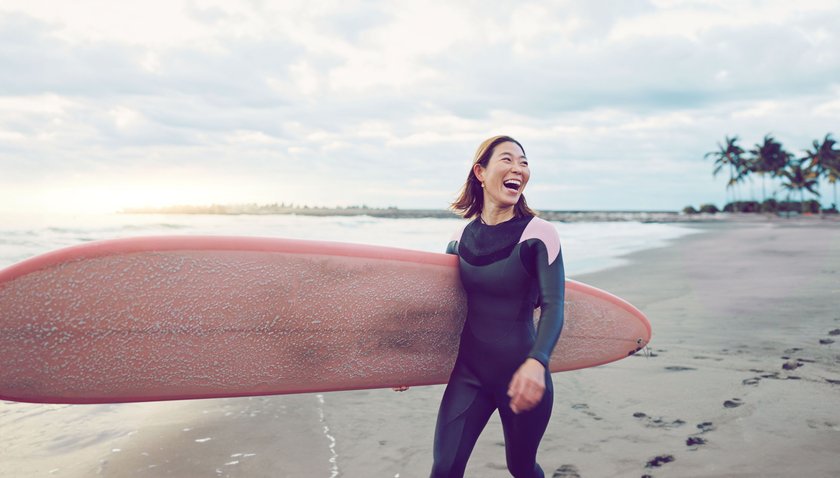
x=185, y=317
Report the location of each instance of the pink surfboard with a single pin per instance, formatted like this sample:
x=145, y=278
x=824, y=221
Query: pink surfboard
x=167, y=318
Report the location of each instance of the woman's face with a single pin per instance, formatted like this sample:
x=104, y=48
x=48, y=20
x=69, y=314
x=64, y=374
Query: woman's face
x=505, y=176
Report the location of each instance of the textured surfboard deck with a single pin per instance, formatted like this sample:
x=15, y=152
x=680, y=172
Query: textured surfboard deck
x=180, y=317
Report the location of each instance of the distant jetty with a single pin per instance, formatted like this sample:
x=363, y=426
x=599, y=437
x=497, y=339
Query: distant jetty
x=396, y=213
x=259, y=209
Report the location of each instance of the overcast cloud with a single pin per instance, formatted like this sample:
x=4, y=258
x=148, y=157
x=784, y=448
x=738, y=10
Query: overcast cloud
x=106, y=105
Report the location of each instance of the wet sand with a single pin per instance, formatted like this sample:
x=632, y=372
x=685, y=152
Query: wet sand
x=743, y=379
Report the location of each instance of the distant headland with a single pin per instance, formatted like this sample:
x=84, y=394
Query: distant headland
x=396, y=213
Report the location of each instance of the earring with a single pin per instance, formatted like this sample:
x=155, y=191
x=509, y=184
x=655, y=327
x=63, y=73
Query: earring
x=482, y=185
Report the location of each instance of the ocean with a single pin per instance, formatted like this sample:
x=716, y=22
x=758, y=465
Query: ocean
x=587, y=246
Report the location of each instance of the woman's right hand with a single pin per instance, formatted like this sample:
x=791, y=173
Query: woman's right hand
x=401, y=388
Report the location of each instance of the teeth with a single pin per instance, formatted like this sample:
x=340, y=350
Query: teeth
x=513, y=183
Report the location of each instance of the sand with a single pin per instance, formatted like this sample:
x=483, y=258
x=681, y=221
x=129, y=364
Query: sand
x=743, y=379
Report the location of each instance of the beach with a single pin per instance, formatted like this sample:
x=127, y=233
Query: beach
x=742, y=378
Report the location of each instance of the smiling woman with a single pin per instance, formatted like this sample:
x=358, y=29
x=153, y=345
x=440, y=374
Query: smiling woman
x=509, y=263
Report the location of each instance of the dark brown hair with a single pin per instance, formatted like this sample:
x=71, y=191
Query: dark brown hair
x=470, y=200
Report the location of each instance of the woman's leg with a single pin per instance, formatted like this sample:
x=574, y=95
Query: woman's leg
x=464, y=411
x=524, y=431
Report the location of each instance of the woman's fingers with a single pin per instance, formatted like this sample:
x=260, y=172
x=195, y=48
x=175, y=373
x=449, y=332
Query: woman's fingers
x=401, y=388
x=515, y=393
x=526, y=388
x=514, y=386
x=526, y=399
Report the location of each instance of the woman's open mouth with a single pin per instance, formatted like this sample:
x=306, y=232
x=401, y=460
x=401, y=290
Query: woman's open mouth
x=513, y=184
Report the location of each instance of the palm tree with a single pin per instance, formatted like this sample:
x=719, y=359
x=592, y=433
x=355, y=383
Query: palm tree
x=799, y=178
x=833, y=174
x=729, y=155
x=822, y=158
x=768, y=157
x=743, y=170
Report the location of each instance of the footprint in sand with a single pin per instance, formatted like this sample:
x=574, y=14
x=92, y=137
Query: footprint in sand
x=734, y=403
x=658, y=422
x=566, y=471
x=585, y=409
x=658, y=461
x=704, y=357
x=762, y=374
x=816, y=425
x=695, y=442
x=792, y=365
x=677, y=368
x=706, y=427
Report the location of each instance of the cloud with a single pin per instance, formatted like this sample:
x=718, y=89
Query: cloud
x=372, y=98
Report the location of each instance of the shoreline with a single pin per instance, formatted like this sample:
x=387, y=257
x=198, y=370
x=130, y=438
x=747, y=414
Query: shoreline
x=738, y=384
x=549, y=215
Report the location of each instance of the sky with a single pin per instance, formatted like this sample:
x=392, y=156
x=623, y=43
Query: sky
x=107, y=105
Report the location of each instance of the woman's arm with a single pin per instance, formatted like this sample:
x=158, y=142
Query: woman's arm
x=452, y=247
x=527, y=385
x=551, y=277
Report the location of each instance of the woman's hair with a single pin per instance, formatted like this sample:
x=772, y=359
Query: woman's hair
x=470, y=201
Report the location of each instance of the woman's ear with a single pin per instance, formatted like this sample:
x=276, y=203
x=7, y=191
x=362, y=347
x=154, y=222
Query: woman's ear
x=478, y=170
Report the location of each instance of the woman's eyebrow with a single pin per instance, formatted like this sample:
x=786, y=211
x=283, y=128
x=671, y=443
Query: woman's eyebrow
x=511, y=155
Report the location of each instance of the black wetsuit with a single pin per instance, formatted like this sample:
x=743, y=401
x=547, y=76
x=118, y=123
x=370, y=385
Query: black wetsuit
x=507, y=270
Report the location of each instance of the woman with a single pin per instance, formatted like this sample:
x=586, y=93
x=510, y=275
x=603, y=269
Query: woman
x=510, y=263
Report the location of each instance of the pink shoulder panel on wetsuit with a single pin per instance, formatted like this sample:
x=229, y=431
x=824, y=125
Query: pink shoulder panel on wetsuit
x=547, y=233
